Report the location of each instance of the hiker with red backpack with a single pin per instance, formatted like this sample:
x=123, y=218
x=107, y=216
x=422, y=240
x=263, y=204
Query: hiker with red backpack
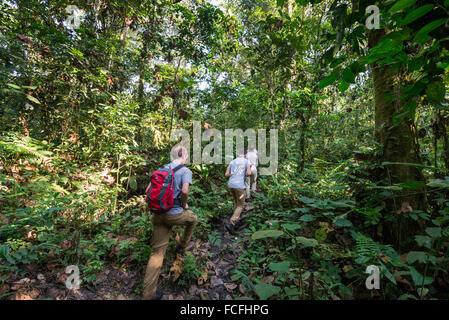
x=167, y=196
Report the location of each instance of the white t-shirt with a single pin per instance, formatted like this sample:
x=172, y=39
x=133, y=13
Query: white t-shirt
x=252, y=157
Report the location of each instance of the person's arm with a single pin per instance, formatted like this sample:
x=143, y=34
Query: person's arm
x=185, y=195
x=248, y=170
x=228, y=172
x=148, y=188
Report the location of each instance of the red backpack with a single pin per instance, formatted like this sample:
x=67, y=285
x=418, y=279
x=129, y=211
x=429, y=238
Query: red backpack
x=160, y=196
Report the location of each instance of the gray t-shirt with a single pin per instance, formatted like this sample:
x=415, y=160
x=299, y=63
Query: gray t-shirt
x=238, y=173
x=182, y=176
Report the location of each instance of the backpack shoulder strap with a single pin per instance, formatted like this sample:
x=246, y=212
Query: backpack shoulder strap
x=178, y=167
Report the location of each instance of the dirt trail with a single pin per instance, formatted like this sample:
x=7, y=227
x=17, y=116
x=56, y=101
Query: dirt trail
x=120, y=282
x=222, y=259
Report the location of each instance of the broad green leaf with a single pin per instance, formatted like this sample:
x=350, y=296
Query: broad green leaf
x=342, y=222
x=434, y=232
x=261, y=234
x=435, y=92
x=343, y=86
x=412, y=185
x=414, y=256
x=307, y=218
x=290, y=291
x=424, y=241
x=415, y=64
x=417, y=13
x=342, y=203
x=406, y=296
x=422, y=291
x=33, y=99
x=438, y=183
x=280, y=267
x=328, y=80
x=265, y=290
x=418, y=278
x=401, y=4
x=307, y=242
x=348, y=76
x=419, y=37
x=13, y=86
x=292, y=226
x=306, y=199
x=302, y=210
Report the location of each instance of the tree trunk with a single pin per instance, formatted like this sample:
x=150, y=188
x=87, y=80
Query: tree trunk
x=399, y=144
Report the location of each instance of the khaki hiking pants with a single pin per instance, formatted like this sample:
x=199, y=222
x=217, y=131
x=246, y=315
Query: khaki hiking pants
x=162, y=224
x=238, y=195
x=250, y=182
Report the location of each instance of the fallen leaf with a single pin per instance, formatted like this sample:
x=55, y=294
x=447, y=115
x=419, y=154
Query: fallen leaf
x=383, y=258
x=202, y=279
x=404, y=281
x=403, y=258
x=4, y=288
x=193, y=290
x=19, y=284
x=176, y=269
x=215, y=281
x=252, y=275
x=66, y=244
x=210, y=265
x=230, y=286
x=203, y=295
x=31, y=294
x=267, y=279
x=15, y=169
x=347, y=268
x=61, y=276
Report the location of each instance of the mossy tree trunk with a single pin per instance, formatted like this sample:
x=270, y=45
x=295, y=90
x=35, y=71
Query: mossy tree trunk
x=399, y=144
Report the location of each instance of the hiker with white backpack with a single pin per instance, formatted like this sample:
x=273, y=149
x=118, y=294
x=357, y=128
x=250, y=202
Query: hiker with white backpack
x=250, y=181
x=237, y=170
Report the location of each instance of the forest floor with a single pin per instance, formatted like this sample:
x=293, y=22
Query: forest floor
x=120, y=282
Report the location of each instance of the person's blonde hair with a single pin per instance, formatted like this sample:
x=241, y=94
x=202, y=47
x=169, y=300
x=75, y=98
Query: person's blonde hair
x=179, y=152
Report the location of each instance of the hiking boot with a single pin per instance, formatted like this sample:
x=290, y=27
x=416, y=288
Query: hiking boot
x=181, y=250
x=249, y=208
x=230, y=227
x=241, y=225
x=158, y=295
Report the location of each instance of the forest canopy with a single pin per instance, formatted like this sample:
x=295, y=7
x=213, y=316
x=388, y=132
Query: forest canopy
x=357, y=91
